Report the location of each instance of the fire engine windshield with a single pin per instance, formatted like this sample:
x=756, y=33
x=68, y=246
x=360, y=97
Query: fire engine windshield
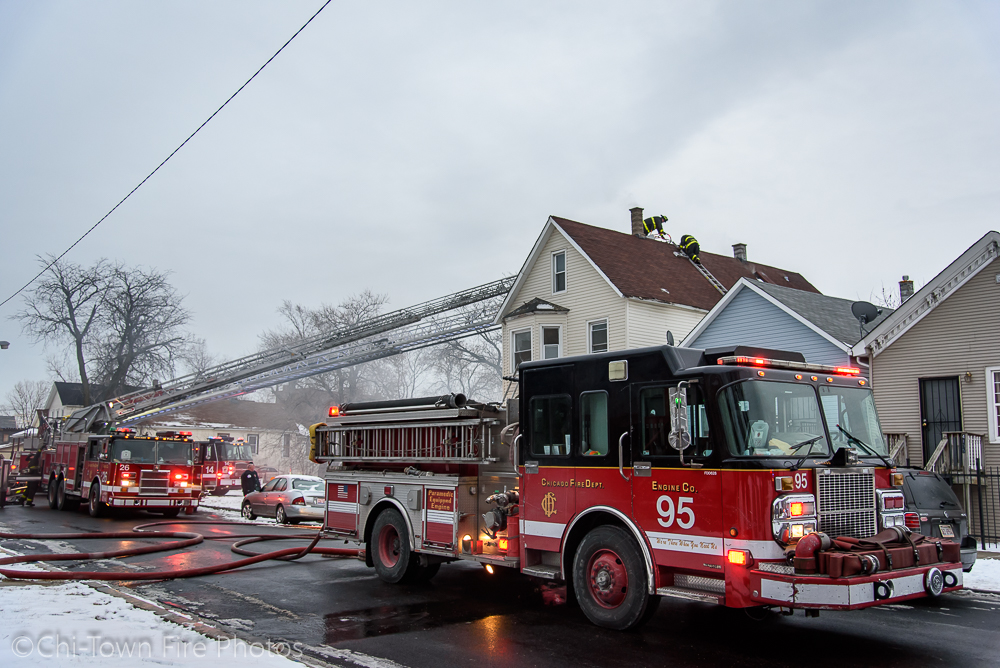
x=173, y=452
x=146, y=451
x=771, y=419
x=853, y=409
x=235, y=451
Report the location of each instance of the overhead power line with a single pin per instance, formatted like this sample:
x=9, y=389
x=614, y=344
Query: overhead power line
x=172, y=153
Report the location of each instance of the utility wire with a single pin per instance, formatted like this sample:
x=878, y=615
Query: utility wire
x=172, y=153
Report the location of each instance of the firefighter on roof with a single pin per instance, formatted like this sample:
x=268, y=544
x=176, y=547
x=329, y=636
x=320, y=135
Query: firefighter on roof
x=654, y=224
x=690, y=247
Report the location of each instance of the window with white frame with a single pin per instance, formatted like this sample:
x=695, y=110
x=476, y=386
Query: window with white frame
x=993, y=401
x=559, y=272
x=551, y=342
x=521, y=348
x=253, y=440
x=598, y=336
x=286, y=445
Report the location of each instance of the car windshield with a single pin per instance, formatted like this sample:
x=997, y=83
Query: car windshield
x=133, y=450
x=772, y=419
x=853, y=409
x=930, y=492
x=235, y=451
x=307, y=485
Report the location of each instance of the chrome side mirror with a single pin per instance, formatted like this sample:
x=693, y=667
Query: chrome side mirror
x=679, y=437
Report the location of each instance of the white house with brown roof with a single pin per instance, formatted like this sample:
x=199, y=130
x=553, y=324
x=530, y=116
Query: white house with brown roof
x=586, y=289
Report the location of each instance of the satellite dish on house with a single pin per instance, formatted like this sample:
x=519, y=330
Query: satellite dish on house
x=865, y=312
x=670, y=338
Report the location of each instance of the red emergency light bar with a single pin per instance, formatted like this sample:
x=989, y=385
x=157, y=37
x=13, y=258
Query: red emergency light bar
x=739, y=360
x=334, y=411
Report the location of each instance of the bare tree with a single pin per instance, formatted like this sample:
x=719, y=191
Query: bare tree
x=64, y=306
x=141, y=335
x=196, y=357
x=473, y=365
x=24, y=398
x=123, y=324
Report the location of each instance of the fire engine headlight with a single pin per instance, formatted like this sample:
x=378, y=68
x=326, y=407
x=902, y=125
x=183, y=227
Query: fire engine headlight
x=792, y=506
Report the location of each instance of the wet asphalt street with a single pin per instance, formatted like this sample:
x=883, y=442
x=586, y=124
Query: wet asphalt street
x=466, y=617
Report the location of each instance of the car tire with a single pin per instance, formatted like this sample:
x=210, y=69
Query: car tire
x=610, y=580
x=53, y=485
x=389, y=546
x=279, y=515
x=94, y=506
x=247, y=511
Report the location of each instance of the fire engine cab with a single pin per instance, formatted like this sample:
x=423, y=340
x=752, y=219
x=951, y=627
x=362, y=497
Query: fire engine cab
x=740, y=477
x=122, y=469
x=225, y=461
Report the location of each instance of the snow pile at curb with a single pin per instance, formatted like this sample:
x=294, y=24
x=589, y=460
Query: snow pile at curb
x=985, y=575
x=55, y=624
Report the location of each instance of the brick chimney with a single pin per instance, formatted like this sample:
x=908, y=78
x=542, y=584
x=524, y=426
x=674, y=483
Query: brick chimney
x=740, y=252
x=905, y=289
x=637, y=228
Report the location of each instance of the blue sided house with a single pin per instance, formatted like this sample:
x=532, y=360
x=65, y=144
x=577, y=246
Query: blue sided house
x=754, y=313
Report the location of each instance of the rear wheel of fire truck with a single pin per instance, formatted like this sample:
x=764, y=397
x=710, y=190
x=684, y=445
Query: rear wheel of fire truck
x=171, y=512
x=389, y=546
x=247, y=511
x=610, y=581
x=94, y=505
x=53, y=484
x=61, y=502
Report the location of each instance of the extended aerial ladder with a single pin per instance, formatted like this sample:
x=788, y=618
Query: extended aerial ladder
x=430, y=323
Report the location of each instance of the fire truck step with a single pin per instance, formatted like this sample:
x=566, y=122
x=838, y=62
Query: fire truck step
x=691, y=595
x=547, y=572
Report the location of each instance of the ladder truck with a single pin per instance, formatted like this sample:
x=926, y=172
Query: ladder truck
x=746, y=478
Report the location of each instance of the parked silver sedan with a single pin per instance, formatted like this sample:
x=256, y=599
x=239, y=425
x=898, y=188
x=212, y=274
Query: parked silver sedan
x=288, y=499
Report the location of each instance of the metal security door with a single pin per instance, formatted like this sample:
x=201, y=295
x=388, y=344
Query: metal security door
x=940, y=411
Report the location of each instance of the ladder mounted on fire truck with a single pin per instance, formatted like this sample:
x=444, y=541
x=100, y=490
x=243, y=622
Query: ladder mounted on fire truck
x=427, y=324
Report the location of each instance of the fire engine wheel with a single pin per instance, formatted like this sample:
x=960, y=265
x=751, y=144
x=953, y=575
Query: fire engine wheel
x=94, y=505
x=247, y=512
x=61, y=502
x=53, y=484
x=390, y=548
x=171, y=512
x=610, y=581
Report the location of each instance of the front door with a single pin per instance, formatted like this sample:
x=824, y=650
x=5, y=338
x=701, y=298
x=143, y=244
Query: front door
x=940, y=411
x=677, y=505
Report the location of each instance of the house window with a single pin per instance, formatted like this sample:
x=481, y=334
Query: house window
x=551, y=343
x=521, y=347
x=559, y=272
x=993, y=402
x=286, y=445
x=598, y=336
x=253, y=440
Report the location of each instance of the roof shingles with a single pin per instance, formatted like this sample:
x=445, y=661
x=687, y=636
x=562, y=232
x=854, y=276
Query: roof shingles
x=648, y=269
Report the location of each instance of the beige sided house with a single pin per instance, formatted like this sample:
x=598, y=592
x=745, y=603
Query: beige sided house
x=935, y=365
x=586, y=289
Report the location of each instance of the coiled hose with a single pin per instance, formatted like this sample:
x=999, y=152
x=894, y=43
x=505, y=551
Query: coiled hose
x=182, y=539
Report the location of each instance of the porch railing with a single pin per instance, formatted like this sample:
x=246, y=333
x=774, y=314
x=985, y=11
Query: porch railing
x=898, y=449
x=957, y=452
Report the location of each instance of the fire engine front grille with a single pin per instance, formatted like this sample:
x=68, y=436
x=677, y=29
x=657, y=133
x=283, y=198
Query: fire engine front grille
x=845, y=500
x=153, y=482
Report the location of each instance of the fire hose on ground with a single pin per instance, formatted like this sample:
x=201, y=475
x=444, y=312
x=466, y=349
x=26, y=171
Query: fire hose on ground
x=181, y=540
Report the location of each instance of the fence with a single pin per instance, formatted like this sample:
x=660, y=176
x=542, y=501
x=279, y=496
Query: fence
x=983, y=502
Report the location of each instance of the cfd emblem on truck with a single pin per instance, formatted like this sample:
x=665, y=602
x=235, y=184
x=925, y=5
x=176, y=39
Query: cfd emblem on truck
x=549, y=504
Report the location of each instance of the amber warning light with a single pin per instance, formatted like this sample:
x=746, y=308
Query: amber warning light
x=334, y=411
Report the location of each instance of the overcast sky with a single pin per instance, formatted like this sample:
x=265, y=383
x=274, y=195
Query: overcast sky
x=417, y=148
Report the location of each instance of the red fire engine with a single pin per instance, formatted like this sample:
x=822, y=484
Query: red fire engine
x=159, y=473
x=225, y=461
x=741, y=477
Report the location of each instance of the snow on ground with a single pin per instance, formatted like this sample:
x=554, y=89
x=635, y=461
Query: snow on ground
x=229, y=501
x=72, y=624
x=985, y=575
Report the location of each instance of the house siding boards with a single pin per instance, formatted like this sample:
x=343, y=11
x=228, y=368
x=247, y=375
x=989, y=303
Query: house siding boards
x=751, y=320
x=587, y=296
x=648, y=323
x=962, y=334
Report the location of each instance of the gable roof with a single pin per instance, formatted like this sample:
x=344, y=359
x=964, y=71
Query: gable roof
x=648, y=269
x=830, y=317
x=71, y=394
x=967, y=265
